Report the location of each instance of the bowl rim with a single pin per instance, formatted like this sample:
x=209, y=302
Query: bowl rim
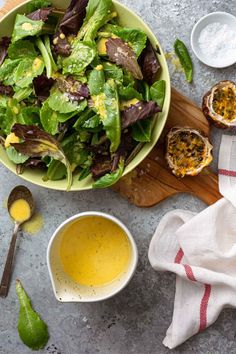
x=195, y=30
x=130, y=270
x=164, y=66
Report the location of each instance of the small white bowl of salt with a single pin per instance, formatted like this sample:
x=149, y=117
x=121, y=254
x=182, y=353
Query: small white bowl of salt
x=213, y=39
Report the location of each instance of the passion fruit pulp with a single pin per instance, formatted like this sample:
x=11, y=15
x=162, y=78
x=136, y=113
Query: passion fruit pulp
x=219, y=104
x=188, y=151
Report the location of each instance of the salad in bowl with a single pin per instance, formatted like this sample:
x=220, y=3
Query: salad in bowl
x=83, y=97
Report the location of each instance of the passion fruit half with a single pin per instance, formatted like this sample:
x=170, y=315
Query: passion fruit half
x=188, y=151
x=219, y=104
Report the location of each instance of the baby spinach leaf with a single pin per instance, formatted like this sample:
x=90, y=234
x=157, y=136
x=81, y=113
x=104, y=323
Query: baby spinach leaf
x=30, y=115
x=96, y=17
x=157, y=92
x=56, y=171
x=110, y=178
x=92, y=122
x=38, y=143
x=12, y=115
x=96, y=81
x=4, y=44
x=25, y=27
x=7, y=69
x=134, y=37
x=128, y=93
x=88, y=113
x=59, y=101
x=50, y=118
x=15, y=156
x=34, y=5
x=120, y=53
x=22, y=49
x=3, y=101
x=112, y=71
x=81, y=56
x=27, y=70
x=142, y=131
x=112, y=122
x=31, y=328
x=22, y=93
x=149, y=63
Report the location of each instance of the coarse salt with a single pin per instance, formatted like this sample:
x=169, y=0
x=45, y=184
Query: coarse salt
x=217, y=42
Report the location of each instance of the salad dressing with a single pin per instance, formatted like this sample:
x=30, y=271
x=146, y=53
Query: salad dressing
x=20, y=210
x=94, y=251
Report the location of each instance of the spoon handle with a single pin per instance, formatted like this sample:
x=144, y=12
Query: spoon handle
x=6, y=277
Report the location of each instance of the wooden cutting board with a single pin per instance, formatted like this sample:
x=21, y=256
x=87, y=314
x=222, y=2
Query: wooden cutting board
x=152, y=181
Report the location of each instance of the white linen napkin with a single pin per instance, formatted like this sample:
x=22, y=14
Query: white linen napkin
x=201, y=250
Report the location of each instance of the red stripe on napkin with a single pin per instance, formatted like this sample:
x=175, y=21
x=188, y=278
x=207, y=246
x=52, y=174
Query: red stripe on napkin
x=203, y=307
x=207, y=292
x=179, y=256
x=227, y=172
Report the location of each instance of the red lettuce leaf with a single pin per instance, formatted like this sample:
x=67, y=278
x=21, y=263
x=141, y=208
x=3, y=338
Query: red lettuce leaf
x=149, y=64
x=38, y=143
x=42, y=86
x=73, y=18
x=101, y=166
x=40, y=14
x=75, y=90
x=6, y=90
x=4, y=44
x=139, y=111
x=69, y=24
x=33, y=163
x=120, y=53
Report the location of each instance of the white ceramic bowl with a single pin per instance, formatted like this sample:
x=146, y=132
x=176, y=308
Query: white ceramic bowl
x=223, y=18
x=65, y=288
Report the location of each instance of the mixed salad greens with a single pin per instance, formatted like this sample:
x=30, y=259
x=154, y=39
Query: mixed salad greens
x=78, y=91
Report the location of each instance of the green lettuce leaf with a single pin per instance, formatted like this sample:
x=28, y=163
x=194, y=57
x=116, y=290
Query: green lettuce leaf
x=112, y=71
x=59, y=101
x=24, y=27
x=15, y=156
x=142, y=131
x=22, y=93
x=81, y=56
x=21, y=49
x=27, y=70
x=96, y=81
x=128, y=93
x=157, y=92
x=110, y=178
x=111, y=122
x=7, y=70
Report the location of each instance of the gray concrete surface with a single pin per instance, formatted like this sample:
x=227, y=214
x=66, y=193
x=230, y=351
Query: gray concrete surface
x=135, y=321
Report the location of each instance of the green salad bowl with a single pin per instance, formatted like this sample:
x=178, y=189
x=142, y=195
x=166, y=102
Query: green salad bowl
x=129, y=19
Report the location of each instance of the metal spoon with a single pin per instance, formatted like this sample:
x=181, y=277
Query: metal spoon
x=19, y=192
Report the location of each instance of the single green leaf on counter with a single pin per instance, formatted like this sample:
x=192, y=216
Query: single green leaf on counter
x=21, y=49
x=157, y=92
x=82, y=55
x=38, y=143
x=27, y=70
x=25, y=27
x=60, y=102
x=142, y=131
x=31, y=328
x=182, y=53
x=112, y=122
x=15, y=156
x=110, y=178
x=96, y=81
